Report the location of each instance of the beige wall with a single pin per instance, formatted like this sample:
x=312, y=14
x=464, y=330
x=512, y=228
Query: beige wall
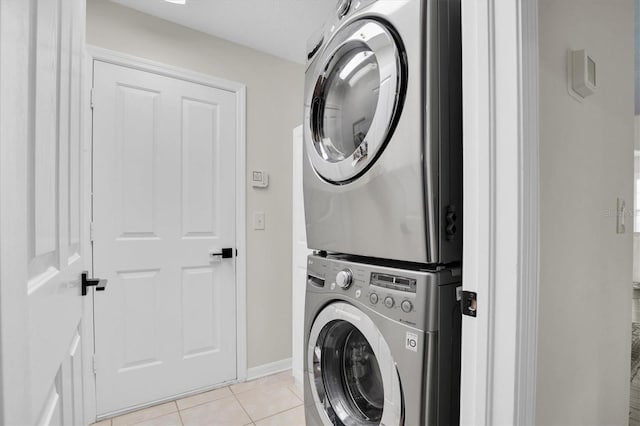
x=586, y=159
x=274, y=108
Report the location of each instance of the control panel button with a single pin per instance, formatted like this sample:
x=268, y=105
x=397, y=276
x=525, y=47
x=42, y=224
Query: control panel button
x=389, y=302
x=406, y=306
x=373, y=298
x=344, y=278
x=358, y=293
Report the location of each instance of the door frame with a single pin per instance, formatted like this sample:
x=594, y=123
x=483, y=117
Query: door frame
x=117, y=58
x=501, y=184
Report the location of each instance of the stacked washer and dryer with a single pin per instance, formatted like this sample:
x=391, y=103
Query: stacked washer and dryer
x=383, y=199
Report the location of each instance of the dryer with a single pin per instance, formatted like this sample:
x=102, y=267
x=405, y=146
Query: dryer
x=382, y=132
x=382, y=345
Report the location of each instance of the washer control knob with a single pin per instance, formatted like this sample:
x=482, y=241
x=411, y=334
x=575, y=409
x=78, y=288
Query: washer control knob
x=343, y=7
x=373, y=298
x=344, y=278
x=406, y=306
x=389, y=302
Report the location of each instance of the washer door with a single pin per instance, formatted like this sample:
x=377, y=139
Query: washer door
x=352, y=374
x=356, y=100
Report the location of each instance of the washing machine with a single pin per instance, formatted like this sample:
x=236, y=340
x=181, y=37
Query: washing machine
x=383, y=133
x=382, y=344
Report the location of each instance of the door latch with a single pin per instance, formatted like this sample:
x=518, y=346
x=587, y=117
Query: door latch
x=469, y=303
x=100, y=285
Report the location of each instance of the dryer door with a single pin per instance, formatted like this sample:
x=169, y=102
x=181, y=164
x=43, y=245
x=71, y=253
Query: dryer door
x=356, y=99
x=353, y=376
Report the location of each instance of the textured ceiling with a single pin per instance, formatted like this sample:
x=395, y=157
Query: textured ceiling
x=277, y=27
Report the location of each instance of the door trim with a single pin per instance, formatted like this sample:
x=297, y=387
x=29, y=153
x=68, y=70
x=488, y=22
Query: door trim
x=112, y=57
x=501, y=187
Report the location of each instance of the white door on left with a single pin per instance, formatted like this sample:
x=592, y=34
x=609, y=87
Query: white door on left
x=41, y=191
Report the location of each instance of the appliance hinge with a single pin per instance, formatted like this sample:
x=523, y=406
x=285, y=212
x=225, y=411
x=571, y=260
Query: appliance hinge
x=95, y=365
x=92, y=96
x=91, y=231
x=469, y=303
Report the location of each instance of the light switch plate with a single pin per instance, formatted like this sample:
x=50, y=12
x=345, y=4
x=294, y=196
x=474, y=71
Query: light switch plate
x=258, y=221
x=581, y=74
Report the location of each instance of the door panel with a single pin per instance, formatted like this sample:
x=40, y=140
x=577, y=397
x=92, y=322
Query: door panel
x=200, y=157
x=200, y=302
x=164, y=199
x=63, y=401
x=46, y=131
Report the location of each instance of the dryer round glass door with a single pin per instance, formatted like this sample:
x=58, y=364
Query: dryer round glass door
x=356, y=99
x=353, y=377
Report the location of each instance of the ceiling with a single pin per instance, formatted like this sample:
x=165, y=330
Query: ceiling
x=277, y=27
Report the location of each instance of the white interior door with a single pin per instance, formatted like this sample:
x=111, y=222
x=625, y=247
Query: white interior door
x=164, y=201
x=41, y=193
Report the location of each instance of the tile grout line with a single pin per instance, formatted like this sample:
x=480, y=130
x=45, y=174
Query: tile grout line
x=150, y=418
x=180, y=415
x=243, y=409
x=279, y=412
x=280, y=383
x=295, y=394
x=205, y=402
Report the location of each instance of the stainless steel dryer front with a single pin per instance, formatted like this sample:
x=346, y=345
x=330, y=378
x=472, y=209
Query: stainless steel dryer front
x=382, y=132
x=382, y=345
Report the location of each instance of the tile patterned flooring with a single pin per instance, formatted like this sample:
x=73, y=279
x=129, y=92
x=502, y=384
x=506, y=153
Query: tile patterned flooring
x=272, y=400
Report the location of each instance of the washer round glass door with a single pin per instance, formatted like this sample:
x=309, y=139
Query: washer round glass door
x=356, y=99
x=352, y=373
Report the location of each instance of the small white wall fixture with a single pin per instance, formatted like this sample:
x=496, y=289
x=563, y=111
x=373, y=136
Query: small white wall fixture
x=582, y=74
x=500, y=89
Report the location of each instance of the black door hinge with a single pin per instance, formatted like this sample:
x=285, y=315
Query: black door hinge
x=469, y=303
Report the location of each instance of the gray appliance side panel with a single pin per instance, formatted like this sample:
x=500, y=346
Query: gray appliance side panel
x=448, y=356
x=382, y=218
x=443, y=132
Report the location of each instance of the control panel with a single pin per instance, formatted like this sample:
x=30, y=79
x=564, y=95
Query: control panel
x=407, y=296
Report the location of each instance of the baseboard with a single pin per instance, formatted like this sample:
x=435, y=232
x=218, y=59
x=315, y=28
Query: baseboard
x=267, y=369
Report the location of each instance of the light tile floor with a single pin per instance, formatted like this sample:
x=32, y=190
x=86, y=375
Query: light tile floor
x=273, y=400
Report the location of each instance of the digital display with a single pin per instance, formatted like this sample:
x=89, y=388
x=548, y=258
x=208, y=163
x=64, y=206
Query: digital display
x=393, y=282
